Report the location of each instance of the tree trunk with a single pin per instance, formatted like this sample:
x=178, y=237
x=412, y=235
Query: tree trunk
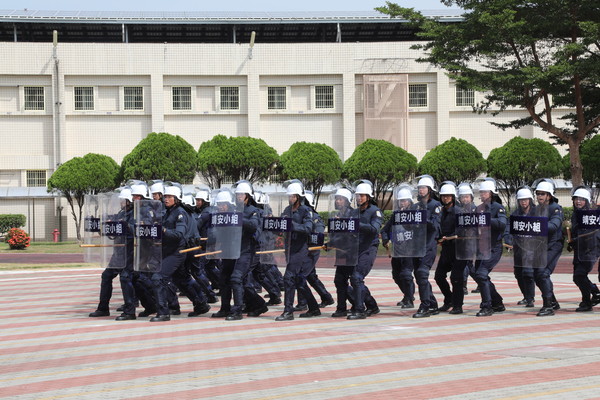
x=575, y=163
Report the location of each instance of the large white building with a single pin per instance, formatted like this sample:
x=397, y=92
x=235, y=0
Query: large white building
x=111, y=78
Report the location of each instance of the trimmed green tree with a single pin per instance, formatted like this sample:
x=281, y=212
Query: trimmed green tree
x=90, y=174
x=229, y=159
x=454, y=160
x=161, y=156
x=540, y=56
x=384, y=164
x=315, y=164
x=521, y=161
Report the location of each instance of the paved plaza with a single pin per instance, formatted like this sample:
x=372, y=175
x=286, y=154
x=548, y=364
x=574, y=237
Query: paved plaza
x=50, y=349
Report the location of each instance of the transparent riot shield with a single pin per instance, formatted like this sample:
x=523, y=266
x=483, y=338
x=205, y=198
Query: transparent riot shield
x=473, y=229
x=92, y=239
x=473, y=233
x=588, y=234
x=148, y=235
x=274, y=235
x=530, y=240
x=409, y=223
x=225, y=231
x=343, y=229
x=115, y=231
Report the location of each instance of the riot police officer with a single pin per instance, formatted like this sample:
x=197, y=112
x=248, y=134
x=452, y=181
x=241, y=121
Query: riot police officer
x=491, y=301
x=548, y=206
x=235, y=271
x=448, y=262
x=368, y=242
x=175, y=237
x=120, y=259
x=427, y=198
x=298, y=265
x=523, y=274
x=313, y=256
x=402, y=267
x=584, y=242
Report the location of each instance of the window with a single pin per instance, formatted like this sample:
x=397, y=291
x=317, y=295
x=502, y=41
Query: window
x=324, y=96
x=276, y=98
x=230, y=98
x=33, y=98
x=417, y=95
x=182, y=98
x=465, y=97
x=84, y=98
x=133, y=98
x=36, y=178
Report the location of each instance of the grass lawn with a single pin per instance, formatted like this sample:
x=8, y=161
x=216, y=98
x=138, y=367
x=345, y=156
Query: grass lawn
x=45, y=247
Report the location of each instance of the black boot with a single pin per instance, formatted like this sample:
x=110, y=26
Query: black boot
x=546, y=309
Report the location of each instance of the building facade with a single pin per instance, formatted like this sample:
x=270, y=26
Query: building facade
x=103, y=95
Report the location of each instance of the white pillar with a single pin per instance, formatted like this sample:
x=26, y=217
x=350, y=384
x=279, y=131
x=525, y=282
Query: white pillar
x=157, y=102
x=442, y=107
x=349, y=115
x=253, y=102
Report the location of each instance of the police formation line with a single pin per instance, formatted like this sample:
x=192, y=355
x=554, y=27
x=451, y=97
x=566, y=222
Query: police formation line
x=230, y=242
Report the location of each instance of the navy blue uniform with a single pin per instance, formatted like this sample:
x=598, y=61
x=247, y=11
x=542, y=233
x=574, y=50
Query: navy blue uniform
x=368, y=242
x=176, y=233
x=312, y=278
x=489, y=295
x=581, y=269
x=523, y=275
x=448, y=262
x=121, y=258
x=235, y=271
x=402, y=267
x=555, y=245
x=423, y=264
x=298, y=267
x=344, y=260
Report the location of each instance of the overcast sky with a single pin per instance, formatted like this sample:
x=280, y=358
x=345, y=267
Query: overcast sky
x=205, y=5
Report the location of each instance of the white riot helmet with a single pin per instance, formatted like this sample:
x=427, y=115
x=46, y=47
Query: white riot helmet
x=224, y=196
x=345, y=193
x=464, y=189
x=524, y=192
x=173, y=189
x=364, y=187
x=140, y=190
x=582, y=191
x=310, y=198
x=157, y=186
x=189, y=200
x=244, y=186
x=488, y=184
x=294, y=186
x=544, y=185
x=448, y=187
x=203, y=194
x=125, y=193
x=261, y=198
x=404, y=193
x=426, y=180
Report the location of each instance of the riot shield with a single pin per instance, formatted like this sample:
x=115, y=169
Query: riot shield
x=473, y=229
x=92, y=239
x=343, y=229
x=115, y=231
x=530, y=240
x=409, y=223
x=148, y=235
x=588, y=234
x=225, y=231
x=274, y=236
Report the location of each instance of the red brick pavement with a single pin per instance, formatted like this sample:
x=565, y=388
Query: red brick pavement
x=52, y=350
